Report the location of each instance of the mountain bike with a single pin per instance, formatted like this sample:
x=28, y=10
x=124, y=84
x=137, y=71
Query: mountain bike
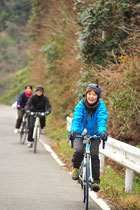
x=23, y=131
x=36, y=130
x=85, y=172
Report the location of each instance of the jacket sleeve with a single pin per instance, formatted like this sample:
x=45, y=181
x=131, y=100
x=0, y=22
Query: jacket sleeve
x=47, y=105
x=19, y=100
x=102, y=118
x=77, y=118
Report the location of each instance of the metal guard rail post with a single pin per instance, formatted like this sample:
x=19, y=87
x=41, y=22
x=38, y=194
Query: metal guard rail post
x=122, y=153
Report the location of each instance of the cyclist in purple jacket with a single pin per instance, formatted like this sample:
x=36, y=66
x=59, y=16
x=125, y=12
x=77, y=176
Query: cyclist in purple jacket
x=21, y=104
x=90, y=114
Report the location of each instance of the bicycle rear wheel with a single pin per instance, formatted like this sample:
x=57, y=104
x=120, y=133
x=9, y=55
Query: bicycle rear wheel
x=86, y=186
x=23, y=132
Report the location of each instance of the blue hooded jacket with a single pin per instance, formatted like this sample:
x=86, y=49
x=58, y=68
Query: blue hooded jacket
x=94, y=124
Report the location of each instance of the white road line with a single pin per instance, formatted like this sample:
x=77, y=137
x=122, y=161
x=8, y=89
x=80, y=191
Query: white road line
x=49, y=149
x=99, y=201
x=92, y=194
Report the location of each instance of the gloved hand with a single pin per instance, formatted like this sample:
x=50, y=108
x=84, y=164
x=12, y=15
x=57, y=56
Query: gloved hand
x=47, y=112
x=19, y=107
x=72, y=135
x=103, y=136
x=28, y=112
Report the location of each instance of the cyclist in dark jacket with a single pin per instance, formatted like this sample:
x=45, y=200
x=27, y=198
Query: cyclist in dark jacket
x=37, y=103
x=21, y=104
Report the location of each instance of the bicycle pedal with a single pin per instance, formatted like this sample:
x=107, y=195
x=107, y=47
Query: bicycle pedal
x=79, y=181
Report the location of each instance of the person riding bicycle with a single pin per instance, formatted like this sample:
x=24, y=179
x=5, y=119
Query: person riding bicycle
x=37, y=103
x=90, y=113
x=21, y=104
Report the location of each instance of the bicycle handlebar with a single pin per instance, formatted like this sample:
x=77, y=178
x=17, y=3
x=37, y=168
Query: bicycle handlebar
x=94, y=136
x=38, y=113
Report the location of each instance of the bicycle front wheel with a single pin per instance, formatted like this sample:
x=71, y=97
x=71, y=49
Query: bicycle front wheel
x=36, y=139
x=86, y=186
x=23, y=132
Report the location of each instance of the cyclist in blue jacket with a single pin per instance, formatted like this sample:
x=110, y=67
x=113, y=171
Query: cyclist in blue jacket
x=21, y=104
x=90, y=113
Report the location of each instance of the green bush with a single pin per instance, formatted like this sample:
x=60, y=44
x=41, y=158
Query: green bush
x=18, y=82
x=125, y=100
x=104, y=26
x=87, y=77
x=4, y=15
x=52, y=50
x=8, y=50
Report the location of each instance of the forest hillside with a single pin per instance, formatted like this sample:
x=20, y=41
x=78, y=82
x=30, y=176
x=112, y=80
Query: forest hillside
x=75, y=43
x=14, y=15
x=71, y=43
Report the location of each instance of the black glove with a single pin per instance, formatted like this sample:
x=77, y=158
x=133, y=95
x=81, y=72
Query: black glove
x=72, y=135
x=103, y=136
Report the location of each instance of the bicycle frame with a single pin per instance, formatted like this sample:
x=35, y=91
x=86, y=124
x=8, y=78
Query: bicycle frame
x=83, y=164
x=36, y=133
x=85, y=172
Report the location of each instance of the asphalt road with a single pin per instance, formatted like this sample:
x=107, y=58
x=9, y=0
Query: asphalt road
x=31, y=181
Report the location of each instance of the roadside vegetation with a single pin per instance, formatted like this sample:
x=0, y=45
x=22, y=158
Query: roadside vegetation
x=71, y=44
x=112, y=180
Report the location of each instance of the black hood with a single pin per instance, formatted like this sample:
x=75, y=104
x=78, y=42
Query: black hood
x=91, y=108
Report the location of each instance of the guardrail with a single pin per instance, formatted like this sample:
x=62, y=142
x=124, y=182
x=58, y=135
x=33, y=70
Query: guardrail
x=122, y=153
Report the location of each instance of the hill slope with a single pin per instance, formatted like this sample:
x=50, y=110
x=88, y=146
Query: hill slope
x=55, y=65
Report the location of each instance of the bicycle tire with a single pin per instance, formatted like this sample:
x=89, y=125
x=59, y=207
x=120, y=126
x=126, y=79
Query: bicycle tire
x=36, y=139
x=35, y=142
x=84, y=183
x=86, y=193
x=84, y=200
x=23, y=132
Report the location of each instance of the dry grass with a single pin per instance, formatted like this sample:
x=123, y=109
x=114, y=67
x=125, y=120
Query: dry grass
x=124, y=77
x=58, y=20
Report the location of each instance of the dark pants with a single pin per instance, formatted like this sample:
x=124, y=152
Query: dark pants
x=79, y=154
x=31, y=126
x=19, y=118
